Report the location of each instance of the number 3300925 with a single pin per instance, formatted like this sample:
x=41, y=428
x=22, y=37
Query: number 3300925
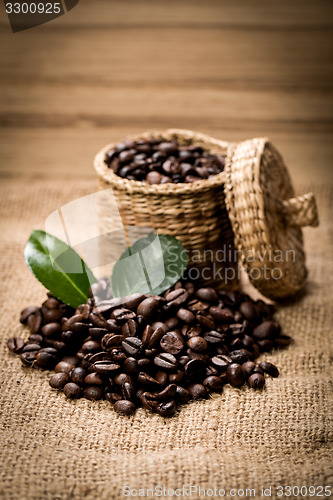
x=33, y=8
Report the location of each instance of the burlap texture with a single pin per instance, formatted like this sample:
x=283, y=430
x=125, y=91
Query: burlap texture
x=53, y=448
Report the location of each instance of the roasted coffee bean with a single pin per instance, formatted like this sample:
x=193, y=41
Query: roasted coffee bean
x=240, y=356
x=197, y=344
x=46, y=360
x=130, y=328
x=69, y=337
x=195, y=305
x=132, y=301
x=67, y=325
x=176, y=377
x=29, y=358
x=34, y=321
x=205, y=320
x=197, y=355
x=118, y=356
x=166, y=408
x=112, y=326
x=182, y=395
x=111, y=340
x=131, y=365
x=266, y=330
x=172, y=343
x=256, y=381
x=221, y=362
x=198, y=391
x=235, y=375
x=283, y=341
x=162, y=377
x=71, y=359
x=211, y=370
x=153, y=177
x=186, y=316
x=98, y=320
x=221, y=315
x=176, y=298
x=194, y=367
x=52, y=315
x=112, y=397
x=35, y=338
x=15, y=344
x=97, y=333
x=132, y=346
x=72, y=391
x=59, y=380
x=193, y=331
x=124, y=407
x=147, y=380
x=29, y=347
x=90, y=359
x=27, y=312
x=222, y=350
x=51, y=329
x=207, y=294
x=248, y=310
x=235, y=344
x=147, y=307
x=121, y=315
x=147, y=333
x=52, y=303
x=168, y=147
x=63, y=367
x=247, y=342
x=128, y=391
x=236, y=329
x=172, y=323
x=214, y=338
x=213, y=383
x=265, y=345
x=78, y=375
x=148, y=400
x=159, y=324
x=93, y=379
x=231, y=298
x=91, y=346
x=93, y=392
x=155, y=337
x=166, y=361
x=257, y=369
x=106, y=367
x=269, y=368
x=248, y=368
x=121, y=378
x=168, y=393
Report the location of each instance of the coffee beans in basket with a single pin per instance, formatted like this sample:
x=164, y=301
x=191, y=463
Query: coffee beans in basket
x=155, y=352
x=159, y=162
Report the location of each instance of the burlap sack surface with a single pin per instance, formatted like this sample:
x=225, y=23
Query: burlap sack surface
x=53, y=448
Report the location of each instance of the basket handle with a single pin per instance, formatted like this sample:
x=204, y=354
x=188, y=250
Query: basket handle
x=301, y=211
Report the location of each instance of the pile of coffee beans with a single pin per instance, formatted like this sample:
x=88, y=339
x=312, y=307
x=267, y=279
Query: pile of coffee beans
x=157, y=352
x=158, y=162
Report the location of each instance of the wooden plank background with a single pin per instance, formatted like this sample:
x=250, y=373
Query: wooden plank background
x=108, y=68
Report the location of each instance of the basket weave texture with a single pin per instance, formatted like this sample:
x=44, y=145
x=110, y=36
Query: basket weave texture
x=267, y=218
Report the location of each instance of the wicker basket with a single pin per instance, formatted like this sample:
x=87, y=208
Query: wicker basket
x=250, y=207
x=195, y=213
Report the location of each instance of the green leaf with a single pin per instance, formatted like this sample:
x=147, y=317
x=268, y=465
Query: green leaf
x=50, y=260
x=152, y=265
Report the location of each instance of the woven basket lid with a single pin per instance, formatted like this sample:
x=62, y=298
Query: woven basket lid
x=266, y=217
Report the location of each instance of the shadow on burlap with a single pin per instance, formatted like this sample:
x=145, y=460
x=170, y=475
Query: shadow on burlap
x=53, y=448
